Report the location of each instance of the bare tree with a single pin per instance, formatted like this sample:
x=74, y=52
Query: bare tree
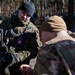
x=70, y=14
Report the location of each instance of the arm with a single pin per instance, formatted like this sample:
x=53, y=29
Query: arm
x=33, y=49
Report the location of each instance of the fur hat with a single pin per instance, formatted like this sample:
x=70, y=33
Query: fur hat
x=53, y=24
x=28, y=7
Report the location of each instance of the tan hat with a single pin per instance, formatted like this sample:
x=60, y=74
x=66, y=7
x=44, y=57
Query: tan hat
x=53, y=24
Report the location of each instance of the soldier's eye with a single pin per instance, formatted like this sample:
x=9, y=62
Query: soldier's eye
x=26, y=13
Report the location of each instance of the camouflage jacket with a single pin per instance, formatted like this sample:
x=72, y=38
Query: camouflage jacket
x=16, y=28
x=56, y=56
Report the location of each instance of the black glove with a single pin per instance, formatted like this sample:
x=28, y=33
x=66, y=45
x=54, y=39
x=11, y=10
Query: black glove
x=14, y=69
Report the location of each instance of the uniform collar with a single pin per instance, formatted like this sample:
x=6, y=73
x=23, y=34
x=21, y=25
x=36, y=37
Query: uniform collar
x=59, y=35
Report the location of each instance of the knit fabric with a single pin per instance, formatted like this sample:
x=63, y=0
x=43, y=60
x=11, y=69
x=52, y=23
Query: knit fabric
x=53, y=24
x=28, y=7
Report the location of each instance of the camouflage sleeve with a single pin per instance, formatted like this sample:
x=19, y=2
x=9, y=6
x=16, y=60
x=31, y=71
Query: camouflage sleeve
x=38, y=39
x=34, y=44
x=34, y=29
x=33, y=48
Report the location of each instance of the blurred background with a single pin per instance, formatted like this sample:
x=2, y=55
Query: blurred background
x=44, y=9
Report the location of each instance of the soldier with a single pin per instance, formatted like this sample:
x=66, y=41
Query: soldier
x=17, y=25
x=57, y=55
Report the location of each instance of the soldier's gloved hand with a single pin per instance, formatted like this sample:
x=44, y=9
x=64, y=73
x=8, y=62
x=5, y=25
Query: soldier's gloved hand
x=13, y=70
x=9, y=68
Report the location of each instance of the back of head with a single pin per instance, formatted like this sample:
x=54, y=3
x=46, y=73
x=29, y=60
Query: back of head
x=28, y=7
x=53, y=24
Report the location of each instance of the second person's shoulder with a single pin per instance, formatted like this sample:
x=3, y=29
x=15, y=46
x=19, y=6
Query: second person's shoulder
x=31, y=25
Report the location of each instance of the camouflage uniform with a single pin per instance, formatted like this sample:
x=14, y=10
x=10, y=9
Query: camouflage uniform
x=14, y=25
x=52, y=56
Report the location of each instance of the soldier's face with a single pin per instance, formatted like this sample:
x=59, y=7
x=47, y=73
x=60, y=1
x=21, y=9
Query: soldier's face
x=46, y=36
x=23, y=16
